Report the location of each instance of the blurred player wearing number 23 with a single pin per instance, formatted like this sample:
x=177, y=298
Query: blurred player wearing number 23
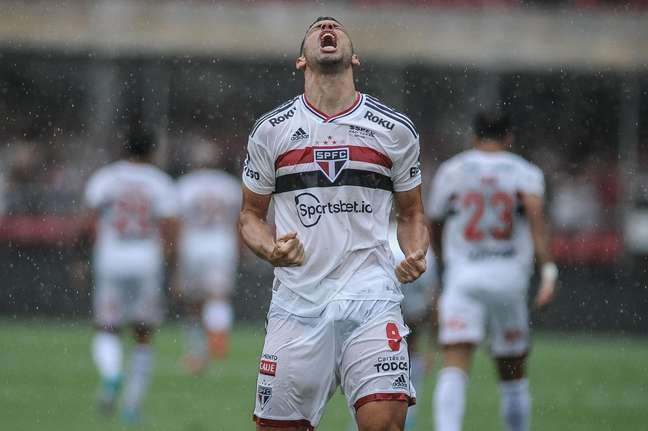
x=332, y=160
x=486, y=205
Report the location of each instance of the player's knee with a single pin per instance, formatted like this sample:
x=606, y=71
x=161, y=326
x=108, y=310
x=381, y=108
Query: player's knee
x=512, y=368
x=142, y=333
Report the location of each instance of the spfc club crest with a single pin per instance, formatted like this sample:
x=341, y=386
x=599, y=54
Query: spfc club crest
x=331, y=161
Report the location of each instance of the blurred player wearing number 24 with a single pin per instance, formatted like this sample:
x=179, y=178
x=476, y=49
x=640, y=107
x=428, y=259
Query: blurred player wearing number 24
x=487, y=210
x=133, y=208
x=333, y=160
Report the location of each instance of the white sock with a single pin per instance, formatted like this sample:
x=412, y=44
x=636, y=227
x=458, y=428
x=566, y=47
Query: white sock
x=450, y=399
x=217, y=316
x=516, y=404
x=417, y=374
x=107, y=354
x=141, y=365
x=195, y=337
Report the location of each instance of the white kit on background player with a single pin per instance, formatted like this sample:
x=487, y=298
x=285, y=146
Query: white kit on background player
x=487, y=247
x=332, y=179
x=210, y=201
x=130, y=199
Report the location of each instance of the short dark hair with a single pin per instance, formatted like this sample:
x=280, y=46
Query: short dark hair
x=318, y=19
x=141, y=142
x=492, y=125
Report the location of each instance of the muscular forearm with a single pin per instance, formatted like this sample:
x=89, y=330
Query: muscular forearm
x=541, y=245
x=412, y=233
x=256, y=234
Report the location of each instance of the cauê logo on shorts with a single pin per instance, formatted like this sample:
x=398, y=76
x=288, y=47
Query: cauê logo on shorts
x=310, y=210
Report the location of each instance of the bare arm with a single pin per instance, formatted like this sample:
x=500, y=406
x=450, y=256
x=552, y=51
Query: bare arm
x=412, y=234
x=169, y=231
x=436, y=241
x=534, y=208
x=258, y=236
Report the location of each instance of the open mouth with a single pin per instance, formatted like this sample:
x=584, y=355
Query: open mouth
x=328, y=41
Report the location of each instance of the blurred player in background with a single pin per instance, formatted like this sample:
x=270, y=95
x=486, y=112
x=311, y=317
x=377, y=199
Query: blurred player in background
x=487, y=211
x=332, y=161
x=210, y=200
x=420, y=316
x=133, y=208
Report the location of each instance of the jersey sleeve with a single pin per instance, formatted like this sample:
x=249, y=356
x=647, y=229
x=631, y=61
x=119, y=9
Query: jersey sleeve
x=94, y=191
x=167, y=202
x=406, y=168
x=531, y=180
x=439, y=199
x=258, y=169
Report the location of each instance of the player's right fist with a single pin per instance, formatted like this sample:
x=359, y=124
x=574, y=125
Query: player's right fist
x=412, y=267
x=288, y=251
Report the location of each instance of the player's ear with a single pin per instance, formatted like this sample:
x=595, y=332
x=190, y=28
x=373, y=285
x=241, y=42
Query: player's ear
x=355, y=60
x=300, y=64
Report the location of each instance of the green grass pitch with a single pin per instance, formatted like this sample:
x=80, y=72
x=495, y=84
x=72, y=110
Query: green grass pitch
x=48, y=383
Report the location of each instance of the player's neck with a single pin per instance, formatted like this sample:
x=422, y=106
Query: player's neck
x=489, y=146
x=139, y=160
x=330, y=94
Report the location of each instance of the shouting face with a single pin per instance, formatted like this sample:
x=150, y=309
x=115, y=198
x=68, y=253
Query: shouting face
x=327, y=48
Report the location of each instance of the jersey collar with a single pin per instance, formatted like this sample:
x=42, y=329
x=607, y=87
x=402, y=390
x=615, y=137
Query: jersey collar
x=330, y=118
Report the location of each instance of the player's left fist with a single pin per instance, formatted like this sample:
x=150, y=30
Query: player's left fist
x=412, y=267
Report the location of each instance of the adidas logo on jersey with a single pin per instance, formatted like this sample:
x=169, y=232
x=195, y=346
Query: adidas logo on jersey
x=298, y=135
x=400, y=382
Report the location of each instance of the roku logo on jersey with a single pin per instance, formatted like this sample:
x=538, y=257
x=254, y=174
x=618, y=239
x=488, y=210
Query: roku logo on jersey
x=310, y=210
x=381, y=121
x=281, y=118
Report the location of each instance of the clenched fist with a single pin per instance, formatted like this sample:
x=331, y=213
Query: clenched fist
x=288, y=251
x=412, y=267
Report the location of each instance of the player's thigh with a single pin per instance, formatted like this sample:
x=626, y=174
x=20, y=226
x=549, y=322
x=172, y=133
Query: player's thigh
x=146, y=300
x=382, y=416
x=108, y=302
x=375, y=362
x=296, y=371
x=509, y=324
x=462, y=317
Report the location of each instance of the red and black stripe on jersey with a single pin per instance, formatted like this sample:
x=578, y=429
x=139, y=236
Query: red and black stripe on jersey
x=347, y=177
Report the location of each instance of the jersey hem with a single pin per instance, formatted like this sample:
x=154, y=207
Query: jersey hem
x=256, y=189
x=386, y=396
x=406, y=186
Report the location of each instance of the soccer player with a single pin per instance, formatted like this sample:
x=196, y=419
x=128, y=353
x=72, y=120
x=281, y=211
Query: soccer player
x=133, y=208
x=487, y=211
x=332, y=160
x=210, y=200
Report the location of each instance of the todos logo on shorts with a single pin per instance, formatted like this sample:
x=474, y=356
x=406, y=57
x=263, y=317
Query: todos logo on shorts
x=310, y=210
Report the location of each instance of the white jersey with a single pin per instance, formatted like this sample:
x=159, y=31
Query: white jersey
x=332, y=179
x=477, y=193
x=130, y=198
x=210, y=201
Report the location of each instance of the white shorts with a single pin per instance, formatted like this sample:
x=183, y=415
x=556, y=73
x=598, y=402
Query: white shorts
x=358, y=345
x=135, y=299
x=468, y=312
x=199, y=286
